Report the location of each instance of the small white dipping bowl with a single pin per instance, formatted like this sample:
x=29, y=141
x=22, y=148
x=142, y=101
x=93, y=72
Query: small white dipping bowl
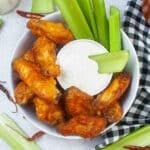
x=132, y=67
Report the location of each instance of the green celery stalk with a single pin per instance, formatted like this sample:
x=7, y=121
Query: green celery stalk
x=111, y=62
x=42, y=6
x=101, y=22
x=114, y=29
x=75, y=19
x=1, y=22
x=140, y=137
x=12, y=134
x=87, y=9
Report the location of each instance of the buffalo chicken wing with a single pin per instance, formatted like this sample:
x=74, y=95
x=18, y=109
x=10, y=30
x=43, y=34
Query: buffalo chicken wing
x=77, y=102
x=113, y=92
x=41, y=86
x=83, y=125
x=45, y=56
x=48, y=112
x=54, y=31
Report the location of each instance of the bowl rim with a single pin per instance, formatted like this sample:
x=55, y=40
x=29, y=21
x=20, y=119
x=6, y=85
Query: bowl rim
x=38, y=126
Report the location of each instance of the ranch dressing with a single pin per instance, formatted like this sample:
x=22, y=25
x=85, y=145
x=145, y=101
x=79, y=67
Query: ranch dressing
x=80, y=71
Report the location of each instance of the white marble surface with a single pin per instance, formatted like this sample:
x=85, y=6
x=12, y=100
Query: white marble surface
x=9, y=36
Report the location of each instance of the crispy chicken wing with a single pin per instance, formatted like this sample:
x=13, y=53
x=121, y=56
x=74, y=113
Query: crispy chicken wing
x=48, y=112
x=113, y=92
x=52, y=30
x=83, y=125
x=23, y=93
x=45, y=56
x=113, y=112
x=77, y=102
x=41, y=86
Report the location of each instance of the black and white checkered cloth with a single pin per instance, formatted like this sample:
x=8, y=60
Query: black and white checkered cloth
x=138, y=31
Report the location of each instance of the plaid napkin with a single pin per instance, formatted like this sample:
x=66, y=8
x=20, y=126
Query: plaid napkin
x=138, y=31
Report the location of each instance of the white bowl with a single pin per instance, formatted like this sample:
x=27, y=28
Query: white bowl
x=132, y=67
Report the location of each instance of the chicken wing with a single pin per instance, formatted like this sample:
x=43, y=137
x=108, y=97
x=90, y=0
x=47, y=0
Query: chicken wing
x=83, y=125
x=41, y=86
x=113, y=92
x=48, y=112
x=113, y=113
x=77, y=102
x=45, y=56
x=23, y=93
x=56, y=32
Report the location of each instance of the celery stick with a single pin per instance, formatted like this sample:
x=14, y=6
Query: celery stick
x=86, y=7
x=114, y=30
x=1, y=22
x=7, y=120
x=10, y=132
x=111, y=62
x=42, y=6
x=101, y=22
x=75, y=19
x=140, y=137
